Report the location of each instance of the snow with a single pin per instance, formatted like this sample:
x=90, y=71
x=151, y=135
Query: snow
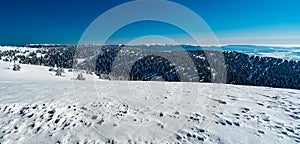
x=22, y=49
x=38, y=107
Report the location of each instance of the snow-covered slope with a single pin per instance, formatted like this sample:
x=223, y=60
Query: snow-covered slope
x=8, y=48
x=38, y=107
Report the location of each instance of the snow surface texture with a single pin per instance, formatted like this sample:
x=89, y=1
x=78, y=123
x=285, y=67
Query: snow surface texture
x=38, y=107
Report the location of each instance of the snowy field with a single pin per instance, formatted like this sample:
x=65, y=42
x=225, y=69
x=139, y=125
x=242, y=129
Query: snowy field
x=38, y=107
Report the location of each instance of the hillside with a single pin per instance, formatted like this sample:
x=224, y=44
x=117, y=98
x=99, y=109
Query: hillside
x=37, y=106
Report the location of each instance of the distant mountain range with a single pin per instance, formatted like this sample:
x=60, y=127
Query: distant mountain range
x=284, y=52
x=288, y=53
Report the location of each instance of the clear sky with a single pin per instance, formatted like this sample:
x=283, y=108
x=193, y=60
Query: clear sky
x=232, y=21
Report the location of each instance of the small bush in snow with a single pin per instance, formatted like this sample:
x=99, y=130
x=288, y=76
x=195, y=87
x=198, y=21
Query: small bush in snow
x=16, y=67
x=58, y=72
x=80, y=77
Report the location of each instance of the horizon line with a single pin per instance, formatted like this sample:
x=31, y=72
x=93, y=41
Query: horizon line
x=160, y=44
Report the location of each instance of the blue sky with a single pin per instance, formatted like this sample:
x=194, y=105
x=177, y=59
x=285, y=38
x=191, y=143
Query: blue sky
x=232, y=21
